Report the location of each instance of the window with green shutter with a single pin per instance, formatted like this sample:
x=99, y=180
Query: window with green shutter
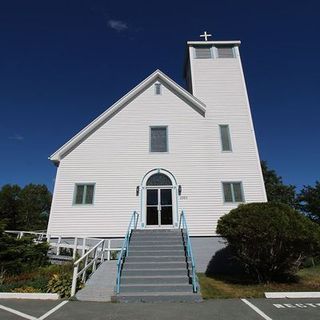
x=84, y=193
x=233, y=192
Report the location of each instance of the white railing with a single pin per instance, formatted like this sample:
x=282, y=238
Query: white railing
x=39, y=236
x=94, y=257
x=92, y=251
x=81, y=245
x=78, y=245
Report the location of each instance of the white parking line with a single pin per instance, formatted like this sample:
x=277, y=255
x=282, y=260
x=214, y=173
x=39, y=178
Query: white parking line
x=18, y=313
x=47, y=314
x=257, y=310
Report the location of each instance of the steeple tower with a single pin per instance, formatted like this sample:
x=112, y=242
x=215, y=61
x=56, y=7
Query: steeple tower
x=213, y=74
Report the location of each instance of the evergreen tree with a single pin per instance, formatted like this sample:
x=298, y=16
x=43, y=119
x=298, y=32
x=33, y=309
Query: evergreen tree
x=309, y=198
x=10, y=204
x=25, y=209
x=276, y=190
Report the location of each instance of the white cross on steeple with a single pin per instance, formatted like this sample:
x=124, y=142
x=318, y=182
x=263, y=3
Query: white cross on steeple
x=205, y=35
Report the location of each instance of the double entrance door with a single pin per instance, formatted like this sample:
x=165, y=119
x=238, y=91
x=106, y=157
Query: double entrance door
x=159, y=206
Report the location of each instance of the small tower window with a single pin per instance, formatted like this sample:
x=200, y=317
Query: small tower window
x=225, y=52
x=157, y=88
x=203, y=52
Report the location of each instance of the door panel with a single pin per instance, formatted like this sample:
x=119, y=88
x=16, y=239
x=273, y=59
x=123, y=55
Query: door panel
x=166, y=215
x=152, y=207
x=152, y=197
x=152, y=216
x=166, y=197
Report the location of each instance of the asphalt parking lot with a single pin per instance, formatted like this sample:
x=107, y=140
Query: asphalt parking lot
x=246, y=309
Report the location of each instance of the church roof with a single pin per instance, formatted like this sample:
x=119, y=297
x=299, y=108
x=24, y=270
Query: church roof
x=96, y=123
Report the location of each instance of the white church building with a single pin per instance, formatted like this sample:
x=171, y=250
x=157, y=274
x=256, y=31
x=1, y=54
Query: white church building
x=161, y=149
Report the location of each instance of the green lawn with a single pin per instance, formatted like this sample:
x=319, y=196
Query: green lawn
x=225, y=287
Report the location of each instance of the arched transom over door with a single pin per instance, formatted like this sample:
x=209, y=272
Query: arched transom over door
x=159, y=204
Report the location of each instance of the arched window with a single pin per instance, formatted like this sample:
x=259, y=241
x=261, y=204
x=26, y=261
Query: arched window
x=159, y=179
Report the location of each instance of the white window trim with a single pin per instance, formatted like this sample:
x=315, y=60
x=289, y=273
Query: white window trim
x=167, y=140
x=85, y=184
x=232, y=193
x=158, y=84
x=229, y=137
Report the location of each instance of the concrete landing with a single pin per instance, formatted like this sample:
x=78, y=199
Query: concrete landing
x=100, y=287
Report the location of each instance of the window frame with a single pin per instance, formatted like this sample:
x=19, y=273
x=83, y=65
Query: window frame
x=157, y=85
x=226, y=47
x=210, y=47
x=229, y=137
x=85, y=184
x=232, y=192
x=167, y=138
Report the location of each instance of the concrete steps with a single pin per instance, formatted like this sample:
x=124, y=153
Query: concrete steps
x=156, y=269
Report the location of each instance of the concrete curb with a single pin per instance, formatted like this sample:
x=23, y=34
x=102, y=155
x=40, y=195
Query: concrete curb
x=29, y=296
x=274, y=295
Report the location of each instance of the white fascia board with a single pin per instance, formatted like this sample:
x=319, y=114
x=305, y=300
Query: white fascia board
x=236, y=42
x=56, y=156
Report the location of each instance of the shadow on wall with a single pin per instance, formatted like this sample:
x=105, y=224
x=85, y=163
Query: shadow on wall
x=224, y=264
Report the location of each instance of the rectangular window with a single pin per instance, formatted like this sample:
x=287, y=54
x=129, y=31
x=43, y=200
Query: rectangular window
x=203, y=52
x=225, y=52
x=232, y=192
x=225, y=137
x=157, y=88
x=84, y=193
x=158, y=139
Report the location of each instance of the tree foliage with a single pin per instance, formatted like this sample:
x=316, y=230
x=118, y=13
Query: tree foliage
x=25, y=208
x=309, y=199
x=276, y=190
x=23, y=255
x=270, y=240
x=10, y=204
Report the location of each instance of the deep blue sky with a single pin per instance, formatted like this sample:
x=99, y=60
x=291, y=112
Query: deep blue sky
x=62, y=63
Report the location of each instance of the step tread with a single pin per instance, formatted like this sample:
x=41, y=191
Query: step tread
x=156, y=277
x=155, y=285
x=164, y=269
x=159, y=293
x=157, y=245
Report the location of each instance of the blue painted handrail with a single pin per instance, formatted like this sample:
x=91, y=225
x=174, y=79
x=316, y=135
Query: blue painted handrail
x=125, y=247
x=184, y=227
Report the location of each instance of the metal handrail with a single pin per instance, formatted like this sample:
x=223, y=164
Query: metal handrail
x=184, y=227
x=125, y=247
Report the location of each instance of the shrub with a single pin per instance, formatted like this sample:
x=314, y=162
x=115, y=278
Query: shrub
x=21, y=255
x=61, y=284
x=61, y=281
x=270, y=240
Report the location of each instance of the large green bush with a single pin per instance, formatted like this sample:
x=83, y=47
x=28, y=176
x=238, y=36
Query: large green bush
x=270, y=240
x=23, y=255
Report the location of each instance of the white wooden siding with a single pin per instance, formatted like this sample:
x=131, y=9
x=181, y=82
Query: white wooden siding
x=116, y=157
